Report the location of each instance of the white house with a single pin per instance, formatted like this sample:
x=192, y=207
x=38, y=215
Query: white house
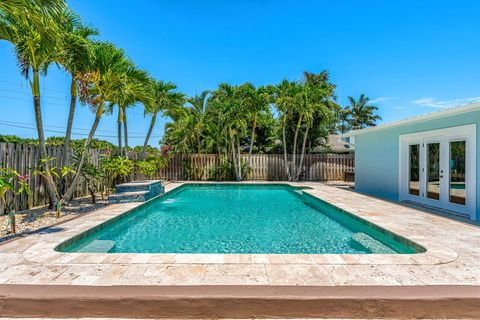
x=430, y=159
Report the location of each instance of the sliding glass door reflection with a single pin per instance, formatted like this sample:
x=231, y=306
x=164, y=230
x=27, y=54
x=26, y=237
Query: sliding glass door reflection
x=433, y=171
x=457, y=192
x=414, y=170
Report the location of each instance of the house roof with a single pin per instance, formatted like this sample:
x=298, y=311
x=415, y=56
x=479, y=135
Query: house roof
x=337, y=145
x=424, y=117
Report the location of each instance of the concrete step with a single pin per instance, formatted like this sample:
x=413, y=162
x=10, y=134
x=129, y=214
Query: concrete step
x=137, y=191
x=136, y=186
x=128, y=197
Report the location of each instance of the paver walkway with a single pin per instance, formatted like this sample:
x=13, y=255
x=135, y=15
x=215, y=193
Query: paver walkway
x=452, y=256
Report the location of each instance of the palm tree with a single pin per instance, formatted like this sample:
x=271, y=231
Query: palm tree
x=106, y=74
x=198, y=112
x=302, y=102
x=33, y=12
x=318, y=102
x=362, y=113
x=287, y=97
x=32, y=27
x=177, y=132
x=132, y=89
x=229, y=113
x=161, y=97
x=75, y=57
x=254, y=101
x=343, y=119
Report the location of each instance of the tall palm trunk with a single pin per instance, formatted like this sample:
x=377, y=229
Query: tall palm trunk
x=250, y=150
x=287, y=167
x=149, y=133
x=125, y=132
x=234, y=156
x=41, y=138
x=98, y=115
x=294, y=160
x=68, y=132
x=71, y=113
x=119, y=129
x=302, y=156
x=239, y=159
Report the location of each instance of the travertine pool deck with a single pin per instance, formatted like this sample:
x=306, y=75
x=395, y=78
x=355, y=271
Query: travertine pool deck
x=452, y=256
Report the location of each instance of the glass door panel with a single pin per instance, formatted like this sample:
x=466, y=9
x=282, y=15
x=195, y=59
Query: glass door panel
x=414, y=169
x=433, y=170
x=457, y=192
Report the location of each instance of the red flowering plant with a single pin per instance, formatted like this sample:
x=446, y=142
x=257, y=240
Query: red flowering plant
x=165, y=150
x=12, y=184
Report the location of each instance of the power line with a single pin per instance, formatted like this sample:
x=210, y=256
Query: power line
x=27, y=100
x=63, y=98
x=73, y=133
x=63, y=127
x=26, y=84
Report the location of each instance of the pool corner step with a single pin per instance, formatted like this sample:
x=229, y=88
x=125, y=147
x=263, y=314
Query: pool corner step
x=136, y=191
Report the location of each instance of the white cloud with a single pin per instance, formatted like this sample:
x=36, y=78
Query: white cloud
x=399, y=107
x=435, y=103
x=380, y=99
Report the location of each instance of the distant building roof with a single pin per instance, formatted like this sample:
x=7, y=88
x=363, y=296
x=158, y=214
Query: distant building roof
x=424, y=117
x=336, y=144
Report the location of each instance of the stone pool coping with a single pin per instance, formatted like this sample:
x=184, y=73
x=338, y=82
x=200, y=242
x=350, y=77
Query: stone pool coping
x=45, y=251
x=452, y=256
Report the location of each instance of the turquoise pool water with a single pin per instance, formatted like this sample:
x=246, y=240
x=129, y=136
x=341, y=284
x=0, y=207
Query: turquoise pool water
x=233, y=218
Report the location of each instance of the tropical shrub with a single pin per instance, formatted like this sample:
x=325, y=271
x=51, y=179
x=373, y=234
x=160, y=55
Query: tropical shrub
x=11, y=182
x=147, y=168
x=116, y=169
x=46, y=170
x=92, y=175
x=151, y=166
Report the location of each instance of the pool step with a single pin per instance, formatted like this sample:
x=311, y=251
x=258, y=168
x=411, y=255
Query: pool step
x=137, y=191
x=146, y=185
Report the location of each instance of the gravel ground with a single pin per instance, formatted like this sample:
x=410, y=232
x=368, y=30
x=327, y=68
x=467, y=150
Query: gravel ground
x=36, y=218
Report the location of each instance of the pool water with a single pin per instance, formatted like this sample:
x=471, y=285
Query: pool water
x=233, y=218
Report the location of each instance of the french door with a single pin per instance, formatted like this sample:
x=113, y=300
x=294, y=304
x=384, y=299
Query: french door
x=437, y=168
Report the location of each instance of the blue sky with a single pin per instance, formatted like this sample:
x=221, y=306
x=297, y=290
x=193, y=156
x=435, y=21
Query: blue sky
x=409, y=57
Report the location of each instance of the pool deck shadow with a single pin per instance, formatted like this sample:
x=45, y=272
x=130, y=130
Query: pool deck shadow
x=451, y=261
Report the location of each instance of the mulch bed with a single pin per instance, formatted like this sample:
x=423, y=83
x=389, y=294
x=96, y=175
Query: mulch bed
x=30, y=220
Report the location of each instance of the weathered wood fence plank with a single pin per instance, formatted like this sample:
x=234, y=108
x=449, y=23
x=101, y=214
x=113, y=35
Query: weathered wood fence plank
x=316, y=167
x=262, y=167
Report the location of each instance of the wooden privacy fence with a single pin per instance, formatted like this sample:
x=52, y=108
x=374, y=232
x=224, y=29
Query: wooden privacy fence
x=316, y=167
x=23, y=158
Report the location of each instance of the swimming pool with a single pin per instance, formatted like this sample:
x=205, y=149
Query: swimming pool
x=238, y=218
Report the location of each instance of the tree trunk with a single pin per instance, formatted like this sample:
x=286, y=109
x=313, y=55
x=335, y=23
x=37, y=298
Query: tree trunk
x=119, y=129
x=68, y=132
x=294, y=160
x=92, y=195
x=234, y=156
x=125, y=132
x=239, y=159
x=287, y=168
x=13, y=222
x=71, y=113
x=149, y=133
x=300, y=165
x=250, y=150
x=41, y=139
x=69, y=194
